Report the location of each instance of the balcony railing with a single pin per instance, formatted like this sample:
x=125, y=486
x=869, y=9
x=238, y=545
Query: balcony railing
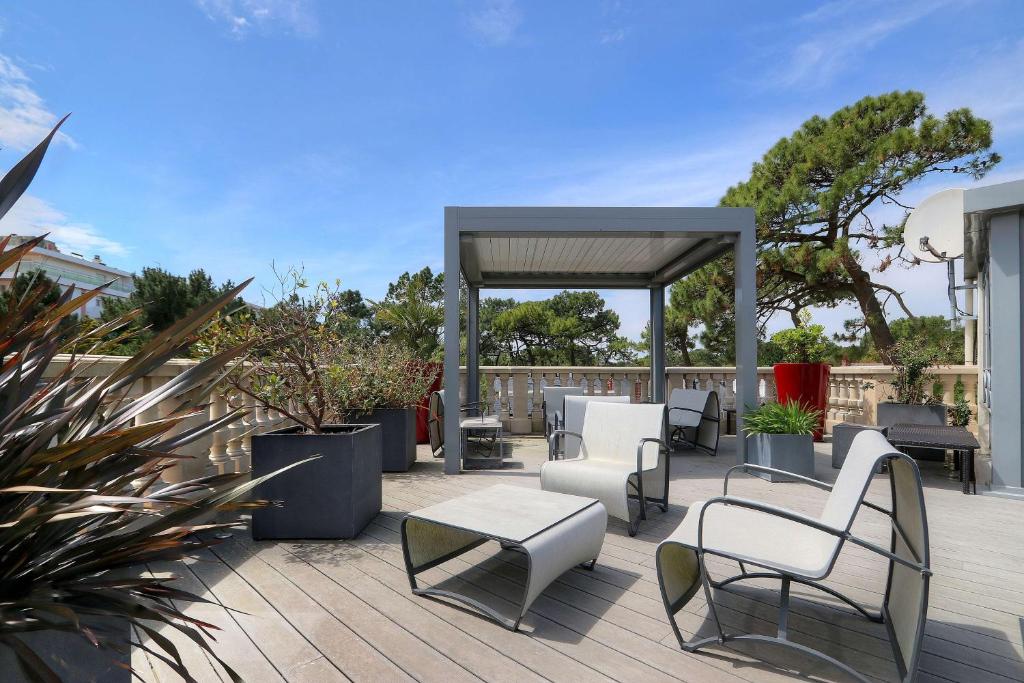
x=514, y=393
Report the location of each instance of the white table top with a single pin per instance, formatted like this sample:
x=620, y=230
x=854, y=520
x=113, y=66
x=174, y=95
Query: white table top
x=481, y=422
x=507, y=513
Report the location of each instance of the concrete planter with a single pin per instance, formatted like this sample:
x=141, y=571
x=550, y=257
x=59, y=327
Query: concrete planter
x=335, y=496
x=397, y=436
x=71, y=656
x=791, y=452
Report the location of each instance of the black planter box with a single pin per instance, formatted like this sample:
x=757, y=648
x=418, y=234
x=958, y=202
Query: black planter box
x=334, y=496
x=397, y=436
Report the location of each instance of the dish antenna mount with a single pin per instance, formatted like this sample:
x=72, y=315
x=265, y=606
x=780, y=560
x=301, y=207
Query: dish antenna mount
x=934, y=233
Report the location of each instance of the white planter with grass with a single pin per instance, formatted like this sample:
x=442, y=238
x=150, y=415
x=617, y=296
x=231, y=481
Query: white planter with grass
x=781, y=436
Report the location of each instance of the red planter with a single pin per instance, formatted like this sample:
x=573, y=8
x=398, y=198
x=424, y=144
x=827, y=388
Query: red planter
x=422, y=413
x=807, y=384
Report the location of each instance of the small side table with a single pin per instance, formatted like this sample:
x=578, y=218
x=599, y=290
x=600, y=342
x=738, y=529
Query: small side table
x=842, y=439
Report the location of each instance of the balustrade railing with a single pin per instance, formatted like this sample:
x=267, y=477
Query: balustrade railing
x=514, y=393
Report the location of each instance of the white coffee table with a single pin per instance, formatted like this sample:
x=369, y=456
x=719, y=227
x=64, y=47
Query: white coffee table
x=555, y=532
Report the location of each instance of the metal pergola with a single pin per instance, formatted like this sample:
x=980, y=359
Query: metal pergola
x=594, y=248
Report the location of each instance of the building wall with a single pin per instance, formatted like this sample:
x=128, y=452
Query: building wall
x=71, y=271
x=1006, y=415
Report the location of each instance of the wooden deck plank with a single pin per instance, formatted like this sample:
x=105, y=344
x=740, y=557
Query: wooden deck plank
x=344, y=610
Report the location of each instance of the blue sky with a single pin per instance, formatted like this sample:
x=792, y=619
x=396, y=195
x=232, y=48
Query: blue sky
x=225, y=134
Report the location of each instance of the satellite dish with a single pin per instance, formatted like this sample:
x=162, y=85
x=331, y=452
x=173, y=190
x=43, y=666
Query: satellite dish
x=937, y=222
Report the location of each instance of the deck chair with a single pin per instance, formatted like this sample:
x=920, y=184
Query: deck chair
x=749, y=532
x=435, y=420
x=553, y=406
x=694, y=412
x=575, y=409
x=622, y=457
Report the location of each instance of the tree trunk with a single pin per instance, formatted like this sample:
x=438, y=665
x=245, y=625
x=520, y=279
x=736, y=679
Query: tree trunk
x=874, y=316
x=686, y=348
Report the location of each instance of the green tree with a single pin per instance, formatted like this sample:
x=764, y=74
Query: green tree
x=411, y=314
x=165, y=298
x=811, y=192
x=570, y=328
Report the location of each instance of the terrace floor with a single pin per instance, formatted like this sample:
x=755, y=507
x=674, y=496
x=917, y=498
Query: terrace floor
x=326, y=611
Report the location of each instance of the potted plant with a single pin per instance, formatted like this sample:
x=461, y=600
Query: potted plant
x=909, y=400
x=960, y=413
x=802, y=375
x=780, y=435
x=82, y=506
x=387, y=392
x=306, y=366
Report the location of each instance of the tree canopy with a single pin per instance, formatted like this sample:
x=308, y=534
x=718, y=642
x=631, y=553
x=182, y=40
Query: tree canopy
x=812, y=193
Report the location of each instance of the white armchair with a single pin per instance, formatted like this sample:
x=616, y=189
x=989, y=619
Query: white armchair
x=770, y=542
x=622, y=456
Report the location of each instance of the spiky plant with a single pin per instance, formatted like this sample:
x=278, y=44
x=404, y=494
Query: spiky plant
x=80, y=505
x=781, y=418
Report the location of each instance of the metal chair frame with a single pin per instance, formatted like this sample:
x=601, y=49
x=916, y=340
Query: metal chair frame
x=921, y=564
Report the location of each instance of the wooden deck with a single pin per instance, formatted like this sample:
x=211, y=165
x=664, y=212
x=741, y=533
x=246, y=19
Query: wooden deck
x=330, y=611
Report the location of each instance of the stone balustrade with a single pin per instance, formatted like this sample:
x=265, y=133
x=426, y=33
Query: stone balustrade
x=514, y=393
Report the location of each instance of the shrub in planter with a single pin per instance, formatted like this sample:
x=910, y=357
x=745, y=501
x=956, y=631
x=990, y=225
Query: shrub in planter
x=81, y=508
x=909, y=398
x=802, y=375
x=780, y=435
x=304, y=365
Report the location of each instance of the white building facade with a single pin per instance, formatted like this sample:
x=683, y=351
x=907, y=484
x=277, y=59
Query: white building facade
x=72, y=270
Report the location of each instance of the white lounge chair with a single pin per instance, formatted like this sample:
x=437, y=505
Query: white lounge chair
x=622, y=456
x=696, y=412
x=794, y=548
x=575, y=409
x=553, y=406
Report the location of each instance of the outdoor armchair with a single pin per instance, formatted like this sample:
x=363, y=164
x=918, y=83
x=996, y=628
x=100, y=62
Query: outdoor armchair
x=622, y=457
x=791, y=547
x=696, y=412
x=575, y=410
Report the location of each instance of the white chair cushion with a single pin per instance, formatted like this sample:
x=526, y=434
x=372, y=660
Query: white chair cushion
x=612, y=431
x=575, y=410
x=601, y=479
x=759, y=538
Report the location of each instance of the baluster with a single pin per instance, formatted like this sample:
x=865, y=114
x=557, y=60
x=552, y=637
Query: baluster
x=236, y=432
x=520, y=422
x=536, y=414
x=219, y=445
x=250, y=425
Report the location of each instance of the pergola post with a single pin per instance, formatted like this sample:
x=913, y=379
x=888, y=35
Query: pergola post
x=452, y=457
x=745, y=255
x=473, y=346
x=657, y=344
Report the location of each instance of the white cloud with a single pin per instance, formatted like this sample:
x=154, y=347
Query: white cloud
x=295, y=17
x=34, y=216
x=859, y=26
x=689, y=175
x=612, y=36
x=495, y=22
x=24, y=116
